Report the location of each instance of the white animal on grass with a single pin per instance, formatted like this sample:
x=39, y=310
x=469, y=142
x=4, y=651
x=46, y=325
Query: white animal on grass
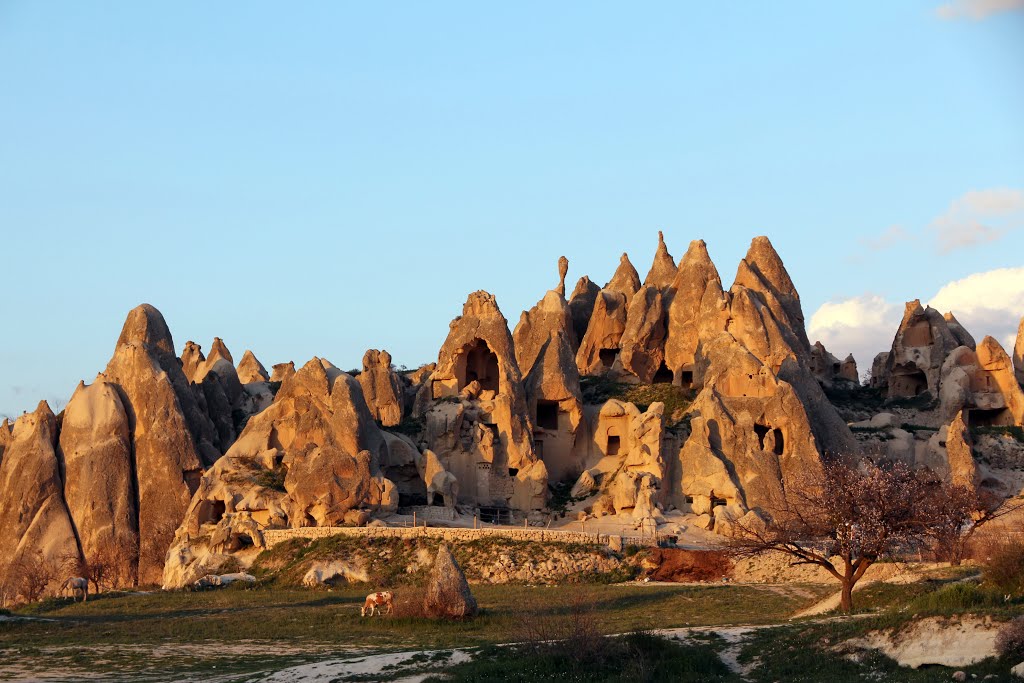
x=78, y=586
x=374, y=602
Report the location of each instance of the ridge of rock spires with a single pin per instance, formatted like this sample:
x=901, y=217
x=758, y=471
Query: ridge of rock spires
x=250, y=369
x=1018, y=353
x=695, y=276
x=320, y=434
x=535, y=326
x=663, y=269
x=581, y=306
x=599, y=348
x=382, y=388
x=175, y=439
x=489, y=423
x=98, y=482
x=766, y=313
x=921, y=345
x=34, y=522
x=219, y=351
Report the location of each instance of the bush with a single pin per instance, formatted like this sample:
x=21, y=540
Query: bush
x=1010, y=640
x=1003, y=567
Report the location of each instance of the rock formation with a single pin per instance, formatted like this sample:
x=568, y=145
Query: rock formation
x=95, y=439
x=172, y=439
x=556, y=405
x=922, y=343
x=307, y=460
x=982, y=382
x=382, y=388
x=828, y=369
x=599, y=347
x=663, y=270
x=695, y=276
x=251, y=370
x=282, y=371
x=35, y=527
x=581, y=306
x=643, y=339
x=447, y=595
x=1018, y=353
x=535, y=326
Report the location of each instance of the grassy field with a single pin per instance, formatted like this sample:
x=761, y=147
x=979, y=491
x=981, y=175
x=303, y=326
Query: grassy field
x=240, y=630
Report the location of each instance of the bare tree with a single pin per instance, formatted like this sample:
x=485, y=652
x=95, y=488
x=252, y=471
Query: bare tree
x=843, y=519
x=959, y=512
x=29, y=577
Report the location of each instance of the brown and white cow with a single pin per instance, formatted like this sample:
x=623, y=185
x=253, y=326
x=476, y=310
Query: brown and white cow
x=374, y=601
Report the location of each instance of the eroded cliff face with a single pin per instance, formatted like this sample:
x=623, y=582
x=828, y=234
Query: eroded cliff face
x=171, y=468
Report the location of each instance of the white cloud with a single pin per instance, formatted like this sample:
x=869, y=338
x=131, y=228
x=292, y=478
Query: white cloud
x=862, y=325
x=890, y=238
x=978, y=217
x=988, y=303
x=976, y=9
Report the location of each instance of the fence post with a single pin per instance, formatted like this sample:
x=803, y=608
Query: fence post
x=414, y=518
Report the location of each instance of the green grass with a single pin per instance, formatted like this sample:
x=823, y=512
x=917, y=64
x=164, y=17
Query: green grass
x=635, y=657
x=597, y=389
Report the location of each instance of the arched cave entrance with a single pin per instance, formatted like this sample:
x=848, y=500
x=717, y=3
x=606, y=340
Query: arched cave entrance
x=908, y=381
x=663, y=375
x=478, y=362
x=762, y=432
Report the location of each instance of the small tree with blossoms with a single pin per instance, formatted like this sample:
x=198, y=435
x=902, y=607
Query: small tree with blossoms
x=843, y=518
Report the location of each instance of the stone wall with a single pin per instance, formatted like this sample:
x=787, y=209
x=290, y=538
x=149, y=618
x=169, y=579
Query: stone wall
x=274, y=536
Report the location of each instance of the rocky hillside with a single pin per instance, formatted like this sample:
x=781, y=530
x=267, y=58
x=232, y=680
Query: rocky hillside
x=646, y=400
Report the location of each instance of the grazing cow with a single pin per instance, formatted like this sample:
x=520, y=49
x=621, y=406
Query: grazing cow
x=78, y=586
x=374, y=602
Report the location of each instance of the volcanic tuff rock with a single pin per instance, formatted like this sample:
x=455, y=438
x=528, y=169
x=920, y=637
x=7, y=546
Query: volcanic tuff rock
x=643, y=339
x=99, y=489
x=320, y=435
x=663, y=270
x=535, y=326
x=447, y=594
x=250, y=369
x=696, y=275
x=382, y=388
x=34, y=522
x=282, y=371
x=172, y=438
x=477, y=364
x=983, y=382
x=1018, y=353
x=920, y=347
x=581, y=306
x=826, y=368
x=554, y=398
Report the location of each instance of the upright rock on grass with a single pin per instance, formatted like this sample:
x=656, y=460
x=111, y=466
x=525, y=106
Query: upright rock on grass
x=448, y=595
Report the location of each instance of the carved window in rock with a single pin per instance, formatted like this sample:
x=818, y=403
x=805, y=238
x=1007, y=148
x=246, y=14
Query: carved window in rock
x=478, y=362
x=908, y=381
x=614, y=443
x=547, y=414
x=192, y=479
x=717, y=502
x=687, y=379
x=607, y=357
x=775, y=442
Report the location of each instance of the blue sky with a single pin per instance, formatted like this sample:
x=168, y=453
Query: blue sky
x=322, y=178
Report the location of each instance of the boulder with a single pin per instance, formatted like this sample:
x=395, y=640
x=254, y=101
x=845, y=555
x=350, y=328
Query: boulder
x=447, y=594
x=96, y=442
x=382, y=388
x=35, y=526
x=251, y=370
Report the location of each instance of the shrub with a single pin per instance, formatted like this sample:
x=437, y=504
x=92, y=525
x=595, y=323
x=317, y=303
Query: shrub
x=1010, y=640
x=1003, y=567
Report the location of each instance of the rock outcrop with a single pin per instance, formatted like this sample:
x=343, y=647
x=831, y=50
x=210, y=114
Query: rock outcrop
x=552, y=313
x=382, y=388
x=485, y=437
x=172, y=439
x=599, y=349
x=95, y=439
x=581, y=306
x=35, y=527
x=447, y=595
x=922, y=343
x=308, y=460
x=696, y=276
x=981, y=381
x=828, y=369
x=642, y=346
x=1018, y=354
x=663, y=270
x=556, y=405
x=251, y=370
